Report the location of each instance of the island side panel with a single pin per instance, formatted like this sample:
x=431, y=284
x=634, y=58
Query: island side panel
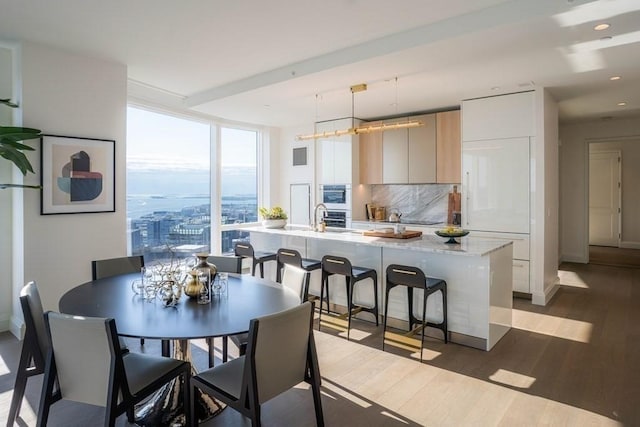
x=501, y=295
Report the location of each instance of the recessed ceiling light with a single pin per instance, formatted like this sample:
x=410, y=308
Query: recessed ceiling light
x=601, y=27
x=495, y=88
x=613, y=78
x=621, y=104
x=606, y=38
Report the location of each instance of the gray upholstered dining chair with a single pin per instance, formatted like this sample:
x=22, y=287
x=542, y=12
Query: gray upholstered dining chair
x=34, y=346
x=113, y=266
x=293, y=278
x=109, y=267
x=226, y=264
x=280, y=354
x=86, y=361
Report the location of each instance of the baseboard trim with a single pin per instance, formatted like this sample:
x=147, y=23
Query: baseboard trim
x=547, y=295
x=17, y=327
x=579, y=259
x=630, y=245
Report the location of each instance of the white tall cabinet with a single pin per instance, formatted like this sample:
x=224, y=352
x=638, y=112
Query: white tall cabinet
x=497, y=134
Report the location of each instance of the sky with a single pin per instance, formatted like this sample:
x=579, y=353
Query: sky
x=158, y=141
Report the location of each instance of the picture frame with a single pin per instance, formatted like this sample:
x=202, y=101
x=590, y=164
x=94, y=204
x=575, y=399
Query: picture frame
x=77, y=175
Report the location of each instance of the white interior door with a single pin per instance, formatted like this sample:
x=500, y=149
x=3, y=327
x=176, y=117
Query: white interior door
x=604, y=198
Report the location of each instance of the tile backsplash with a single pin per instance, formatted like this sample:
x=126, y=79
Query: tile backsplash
x=417, y=202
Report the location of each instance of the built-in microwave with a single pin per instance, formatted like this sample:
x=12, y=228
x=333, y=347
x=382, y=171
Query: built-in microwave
x=336, y=196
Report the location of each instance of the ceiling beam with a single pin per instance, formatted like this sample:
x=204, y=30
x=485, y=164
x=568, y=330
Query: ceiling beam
x=505, y=13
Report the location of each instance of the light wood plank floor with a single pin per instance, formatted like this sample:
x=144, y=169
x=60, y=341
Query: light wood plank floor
x=575, y=362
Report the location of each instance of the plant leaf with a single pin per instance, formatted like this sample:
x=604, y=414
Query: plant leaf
x=15, y=144
x=8, y=103
x=17, y=157
x=3, y=186
x=13, y=129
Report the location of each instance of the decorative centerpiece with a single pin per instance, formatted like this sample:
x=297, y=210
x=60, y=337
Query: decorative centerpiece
x=451, y=232
x=274, y=217
x=201, y=275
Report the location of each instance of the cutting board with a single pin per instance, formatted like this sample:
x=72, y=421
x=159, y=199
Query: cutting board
x=454, y=204
x=404, y=235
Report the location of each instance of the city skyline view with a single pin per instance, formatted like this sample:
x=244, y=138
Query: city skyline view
x=168, y=183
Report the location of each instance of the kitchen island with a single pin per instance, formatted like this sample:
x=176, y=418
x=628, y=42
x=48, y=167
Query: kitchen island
x=478, y=275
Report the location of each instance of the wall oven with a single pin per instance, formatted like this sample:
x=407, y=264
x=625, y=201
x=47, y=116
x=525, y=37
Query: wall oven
x=336, y=196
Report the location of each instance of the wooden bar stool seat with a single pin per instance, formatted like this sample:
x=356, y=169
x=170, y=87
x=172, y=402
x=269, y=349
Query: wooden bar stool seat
x=293, y=257
x=245, y=250
x=342, y=266
x=413, y=277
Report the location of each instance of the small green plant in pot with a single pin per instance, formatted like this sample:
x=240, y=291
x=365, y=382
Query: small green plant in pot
x=274, y=217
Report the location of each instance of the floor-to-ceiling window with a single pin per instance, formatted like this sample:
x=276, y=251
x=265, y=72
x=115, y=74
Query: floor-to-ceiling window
x=238, y=182
x=168, y=185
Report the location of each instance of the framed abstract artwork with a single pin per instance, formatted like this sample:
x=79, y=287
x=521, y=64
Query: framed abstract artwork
x=77, y=175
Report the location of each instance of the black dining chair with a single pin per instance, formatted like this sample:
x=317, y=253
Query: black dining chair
x=110, y=267
x=258, y=258
x=281, y=353
x=35, y=346
x=353, y=275
x=86, y=360
x=414, y=278
x=224, y=264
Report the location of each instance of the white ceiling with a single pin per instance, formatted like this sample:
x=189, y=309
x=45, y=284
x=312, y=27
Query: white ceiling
x=265, y=61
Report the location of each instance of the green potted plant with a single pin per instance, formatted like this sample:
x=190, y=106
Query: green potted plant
x=274, y=217
x=13, y=150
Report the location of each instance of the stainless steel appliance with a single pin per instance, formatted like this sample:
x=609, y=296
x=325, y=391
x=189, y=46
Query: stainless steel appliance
x=338, y=218
x=336, y=196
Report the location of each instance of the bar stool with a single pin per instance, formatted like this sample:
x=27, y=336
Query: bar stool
x=293, y=257
x=338, y=265
x=413, y=277
x=245, y=250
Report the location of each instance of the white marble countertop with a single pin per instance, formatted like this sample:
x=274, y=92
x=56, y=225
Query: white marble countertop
x=425, y=243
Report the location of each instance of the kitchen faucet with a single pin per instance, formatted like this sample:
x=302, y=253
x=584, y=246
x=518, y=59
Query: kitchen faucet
x=314, y=224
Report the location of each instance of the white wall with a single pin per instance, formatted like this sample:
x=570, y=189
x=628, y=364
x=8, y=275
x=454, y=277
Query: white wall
x=67, y=94
x=290, y=174
x=551, y=197
x=6, y=172
x=574, y=138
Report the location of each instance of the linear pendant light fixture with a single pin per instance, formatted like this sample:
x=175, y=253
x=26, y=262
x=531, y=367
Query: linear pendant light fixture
x=353, y=130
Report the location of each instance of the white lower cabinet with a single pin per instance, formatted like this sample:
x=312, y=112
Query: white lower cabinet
x=521, y=276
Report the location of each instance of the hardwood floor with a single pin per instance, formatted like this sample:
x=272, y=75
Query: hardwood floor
x=574, y=362
x=618, y=257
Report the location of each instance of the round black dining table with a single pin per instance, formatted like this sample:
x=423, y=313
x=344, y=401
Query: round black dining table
x=247, y=297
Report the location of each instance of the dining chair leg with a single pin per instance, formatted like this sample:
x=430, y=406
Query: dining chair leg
x=212, y=356
x=424, y=324
x=166, y=350
x=19, y=387
x=386, y=310
x=225, y=349
x=349, y=304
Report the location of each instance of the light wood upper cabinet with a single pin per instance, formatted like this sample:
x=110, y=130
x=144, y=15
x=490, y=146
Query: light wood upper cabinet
x=371, y=157
x=421, y=155
x=395, y=155
x=448, y=147
x=422, y=151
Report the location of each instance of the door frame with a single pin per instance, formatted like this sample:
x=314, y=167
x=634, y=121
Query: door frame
x=585, y=207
